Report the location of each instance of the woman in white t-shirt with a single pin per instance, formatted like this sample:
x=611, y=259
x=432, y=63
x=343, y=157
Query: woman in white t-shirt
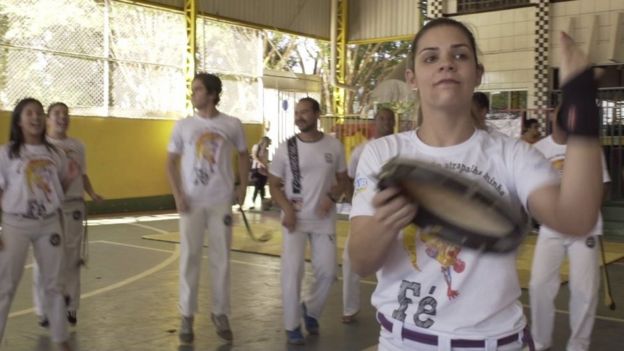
x=33, y=176
x=447, y=297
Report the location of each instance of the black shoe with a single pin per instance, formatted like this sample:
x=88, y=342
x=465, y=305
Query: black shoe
x=72, y=318
x=67, y=300
x=186, y=335
x=43, y=321
x=311, y=323
x=223, y=327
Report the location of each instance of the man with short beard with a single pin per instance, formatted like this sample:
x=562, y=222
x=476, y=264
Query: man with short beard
x=308, y=174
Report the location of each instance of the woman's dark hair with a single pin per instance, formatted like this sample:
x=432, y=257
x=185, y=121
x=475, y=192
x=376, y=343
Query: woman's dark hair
x=481, y=99
x=56, y=104
x=529, y=123
x=212, y=83
x=439, y=22
x=16, y=135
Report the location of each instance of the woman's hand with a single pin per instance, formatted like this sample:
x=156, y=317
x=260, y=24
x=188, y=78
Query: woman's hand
x=573, y=59
x=393, y=210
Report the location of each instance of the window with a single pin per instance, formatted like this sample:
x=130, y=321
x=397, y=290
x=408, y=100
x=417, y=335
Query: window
x=464, y=6
x=113, y=58
x=508, y=100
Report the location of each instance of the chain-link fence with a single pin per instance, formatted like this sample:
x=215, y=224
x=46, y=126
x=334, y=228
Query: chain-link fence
x=52, y=58
x=112, y=58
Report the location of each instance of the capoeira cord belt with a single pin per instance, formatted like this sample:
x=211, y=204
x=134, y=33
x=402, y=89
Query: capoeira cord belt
x=293, y=158
x=579, y=114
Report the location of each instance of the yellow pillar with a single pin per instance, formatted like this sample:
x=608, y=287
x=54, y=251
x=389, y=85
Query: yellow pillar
x=341, y=58
x=190, y=14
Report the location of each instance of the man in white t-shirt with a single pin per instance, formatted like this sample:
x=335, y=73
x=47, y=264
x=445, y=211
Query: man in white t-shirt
x=74, y=212
x=307, y=175
x=384, y=125
x=550, y=251
x=202, y=180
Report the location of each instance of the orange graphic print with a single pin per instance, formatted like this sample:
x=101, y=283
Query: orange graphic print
x=558, y=164
x=73, y=165
x=39, y=173
x=448, y=257
x=207, y=147
x=409, y=243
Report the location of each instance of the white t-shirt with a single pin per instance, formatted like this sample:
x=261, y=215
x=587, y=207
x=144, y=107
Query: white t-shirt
x=31, y=183
x=318, y=164
x=555, y=154
x=75, y=152
x=452, y=290
x=258, y=154
x=205, y=146
x=355, y=158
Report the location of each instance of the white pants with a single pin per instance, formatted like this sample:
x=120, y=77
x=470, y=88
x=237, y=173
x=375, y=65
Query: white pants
x=218, y=221
x=350, y=285
x=583, y=254
x=45, y=236
x=389, y=342
x=73, y=235
x=324, y=265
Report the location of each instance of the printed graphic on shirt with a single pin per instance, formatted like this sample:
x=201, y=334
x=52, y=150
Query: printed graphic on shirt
x=447, y=255
x=360, y=184
x=39, y=175
x=558, y=164
x=408, y=294
x=409, y=242
x=73, y=161
x=329, y=158
x=473, y=170
x=206, y=156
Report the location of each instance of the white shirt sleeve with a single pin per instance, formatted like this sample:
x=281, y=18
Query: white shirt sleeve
x=341, y=165
x=279, y=164
x=355, y=157
x=365, y=183
x=531, y=171
x=176, y=143
x=239, y=139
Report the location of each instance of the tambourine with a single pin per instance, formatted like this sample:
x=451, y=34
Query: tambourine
x=458, y=210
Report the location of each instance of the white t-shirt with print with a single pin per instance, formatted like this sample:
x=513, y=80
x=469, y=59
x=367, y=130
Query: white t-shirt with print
x=355, y=158
x=451, y=290
x=258, y=153
x=555, y=154
x=205, y=146
x=31, y=183
x=318, y=164
x=75, y=151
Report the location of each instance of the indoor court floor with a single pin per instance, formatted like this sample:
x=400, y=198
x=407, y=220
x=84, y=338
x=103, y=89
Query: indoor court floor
x=130, y=291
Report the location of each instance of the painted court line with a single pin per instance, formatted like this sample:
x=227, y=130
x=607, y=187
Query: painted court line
x=145, y=226
x=172, y=258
